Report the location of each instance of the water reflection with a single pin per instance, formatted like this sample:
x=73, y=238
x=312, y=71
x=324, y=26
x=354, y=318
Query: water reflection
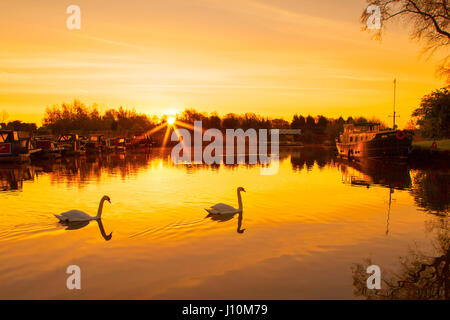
x=305, y=158
x=308, y=224
x=421, y=276
x=228, y=217
x=429, y=186
x=431, y=191
x=369, y=172
x=75, y=225
x=12, y=177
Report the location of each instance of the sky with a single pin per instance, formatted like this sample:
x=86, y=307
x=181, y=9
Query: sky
x=275, y=58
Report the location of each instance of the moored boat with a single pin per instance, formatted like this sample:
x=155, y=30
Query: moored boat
x=13, y=148
x=71, y=144
x=369, y=141
x=48, y=149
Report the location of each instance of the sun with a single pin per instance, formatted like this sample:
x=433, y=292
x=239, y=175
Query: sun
x=171, y=120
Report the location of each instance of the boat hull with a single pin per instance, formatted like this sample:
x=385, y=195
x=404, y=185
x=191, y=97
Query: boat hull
x=21, y=158
x=384, y=145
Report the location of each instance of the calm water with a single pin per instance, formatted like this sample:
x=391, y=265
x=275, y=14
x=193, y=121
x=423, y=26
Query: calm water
x=300, y=233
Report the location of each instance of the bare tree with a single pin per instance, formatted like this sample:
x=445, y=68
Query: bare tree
x=4, y=115
x=429, y=21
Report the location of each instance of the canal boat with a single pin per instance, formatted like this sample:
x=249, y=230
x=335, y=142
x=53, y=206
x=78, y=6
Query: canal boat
x=71, y=145
x=368, y=140
x=118, y=144
x=48, y=149
x=13, y=148
x=141, y=144
x=96, y=144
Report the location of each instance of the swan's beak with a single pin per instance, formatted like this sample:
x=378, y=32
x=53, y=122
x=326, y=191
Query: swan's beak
x=109, y=200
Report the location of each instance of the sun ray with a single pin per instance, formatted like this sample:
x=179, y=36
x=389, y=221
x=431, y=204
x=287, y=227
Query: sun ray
x=166, y=137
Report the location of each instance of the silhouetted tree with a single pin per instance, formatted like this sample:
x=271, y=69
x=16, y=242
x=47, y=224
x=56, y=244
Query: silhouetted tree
x=433, y=115
x=428, y=20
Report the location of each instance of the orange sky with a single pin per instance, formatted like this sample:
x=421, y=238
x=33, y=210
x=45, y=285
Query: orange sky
x=270, y=57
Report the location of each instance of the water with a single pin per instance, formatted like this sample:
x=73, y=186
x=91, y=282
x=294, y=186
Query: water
x=300, y=236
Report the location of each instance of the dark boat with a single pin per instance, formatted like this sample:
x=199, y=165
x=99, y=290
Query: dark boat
x=13, y=148
x=96, y=144
x=140, y=144
x=369, y=141
x=71, y=145
x=48, y=149
x=118, y=144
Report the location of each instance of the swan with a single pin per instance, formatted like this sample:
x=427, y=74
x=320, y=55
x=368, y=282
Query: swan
x=225, y=209
x=76, y=215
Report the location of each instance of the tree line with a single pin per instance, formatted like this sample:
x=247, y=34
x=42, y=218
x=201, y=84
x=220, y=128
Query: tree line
x=431, y=119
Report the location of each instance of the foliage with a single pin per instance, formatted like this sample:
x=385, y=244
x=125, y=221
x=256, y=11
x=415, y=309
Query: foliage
x=78, y=117
x=433, y=115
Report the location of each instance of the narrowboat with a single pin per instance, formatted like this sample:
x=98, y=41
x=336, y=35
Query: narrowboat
x=48, y=149
x=13, y=148
x=71, y=145
x=142, y=144
x=118, y=144
x=96, y=144
x=368, y=140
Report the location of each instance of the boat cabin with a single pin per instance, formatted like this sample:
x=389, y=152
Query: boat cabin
x=11, y=144
x=354, y=133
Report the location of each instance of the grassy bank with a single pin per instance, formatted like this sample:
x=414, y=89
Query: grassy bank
x=443, y=145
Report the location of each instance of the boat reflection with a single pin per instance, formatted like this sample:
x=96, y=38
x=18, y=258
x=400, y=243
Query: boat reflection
x=75, y=225
x=369, y=172
x=13, y=176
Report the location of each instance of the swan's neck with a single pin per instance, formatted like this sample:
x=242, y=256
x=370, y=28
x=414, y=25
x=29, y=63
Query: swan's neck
x=239, y=199
x=100, y=209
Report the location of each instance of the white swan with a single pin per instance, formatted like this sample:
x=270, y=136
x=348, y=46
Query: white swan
x=221, y=208
x=76, y=215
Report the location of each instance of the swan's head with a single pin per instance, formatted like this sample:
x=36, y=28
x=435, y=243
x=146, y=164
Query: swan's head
x=241, y=189
x=106, y=198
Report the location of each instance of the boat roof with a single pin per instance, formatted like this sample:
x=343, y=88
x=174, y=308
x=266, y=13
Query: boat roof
x=367, y=124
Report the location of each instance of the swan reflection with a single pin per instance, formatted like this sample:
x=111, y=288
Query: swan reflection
x=75, y=225
x=228, y=217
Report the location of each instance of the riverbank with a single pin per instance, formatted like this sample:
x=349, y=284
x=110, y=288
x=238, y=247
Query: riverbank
x=441, y=145
x=425, y=153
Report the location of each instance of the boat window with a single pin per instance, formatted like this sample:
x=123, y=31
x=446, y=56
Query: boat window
x=3, y=137
x=16, y=136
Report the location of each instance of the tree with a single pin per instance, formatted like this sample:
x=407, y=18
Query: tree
x=4, y=116
x=322, y=123
x=310, y=122
x=429, y=20
x=433, y=115
x=18, y=125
